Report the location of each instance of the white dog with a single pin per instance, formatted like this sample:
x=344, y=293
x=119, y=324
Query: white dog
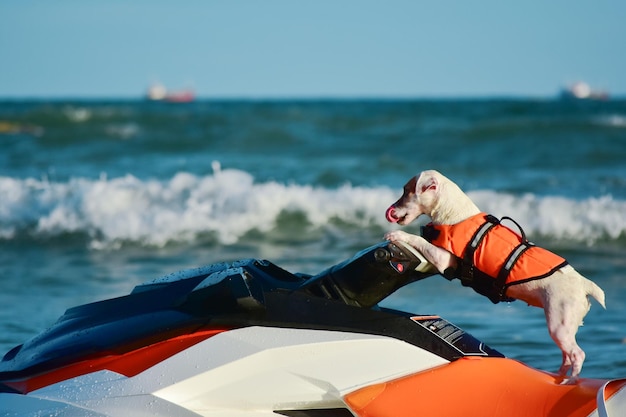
x=494, y=260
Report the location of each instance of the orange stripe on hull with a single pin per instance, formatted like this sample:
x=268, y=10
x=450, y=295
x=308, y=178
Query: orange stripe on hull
x=479, y=387
x=128, y=364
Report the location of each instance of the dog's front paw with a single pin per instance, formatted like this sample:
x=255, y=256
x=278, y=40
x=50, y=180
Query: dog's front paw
x=397, y=236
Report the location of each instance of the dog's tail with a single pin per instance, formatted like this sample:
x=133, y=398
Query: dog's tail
x=596, y=292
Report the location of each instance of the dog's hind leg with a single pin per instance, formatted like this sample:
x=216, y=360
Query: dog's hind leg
x=563, y=324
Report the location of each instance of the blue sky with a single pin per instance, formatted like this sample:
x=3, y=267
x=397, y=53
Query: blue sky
x=316, y=48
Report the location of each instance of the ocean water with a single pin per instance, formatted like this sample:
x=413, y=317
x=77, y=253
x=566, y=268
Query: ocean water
x=99, y=196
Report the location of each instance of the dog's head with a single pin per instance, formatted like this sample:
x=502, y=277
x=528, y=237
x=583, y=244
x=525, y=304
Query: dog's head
x=420, y=197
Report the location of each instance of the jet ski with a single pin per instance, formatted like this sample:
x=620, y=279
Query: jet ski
x=250, y=339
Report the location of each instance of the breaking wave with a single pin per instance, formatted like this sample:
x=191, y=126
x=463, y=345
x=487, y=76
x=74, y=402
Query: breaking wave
x=229, y=204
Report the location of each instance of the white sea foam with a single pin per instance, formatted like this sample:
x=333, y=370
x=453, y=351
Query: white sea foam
x=229, y=204
x=558, y=217
x=612, y=120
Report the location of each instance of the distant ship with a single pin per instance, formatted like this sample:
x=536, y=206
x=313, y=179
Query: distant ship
x=582, y=91
x=158, y=92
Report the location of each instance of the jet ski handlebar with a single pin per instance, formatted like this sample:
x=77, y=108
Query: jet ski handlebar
x=371, y=275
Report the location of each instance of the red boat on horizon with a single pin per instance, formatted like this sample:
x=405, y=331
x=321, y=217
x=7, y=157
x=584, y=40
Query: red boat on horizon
x=158, y=92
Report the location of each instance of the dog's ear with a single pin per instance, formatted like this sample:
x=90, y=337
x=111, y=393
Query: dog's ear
x=427, y=182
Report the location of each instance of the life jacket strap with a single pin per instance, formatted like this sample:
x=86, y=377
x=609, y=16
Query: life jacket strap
x=511, y=259
x=429, y=232
x=467, y=268
x=522, y=234
x=508, y=265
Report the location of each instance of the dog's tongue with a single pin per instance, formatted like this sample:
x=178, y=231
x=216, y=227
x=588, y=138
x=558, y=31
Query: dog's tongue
x=390, y=214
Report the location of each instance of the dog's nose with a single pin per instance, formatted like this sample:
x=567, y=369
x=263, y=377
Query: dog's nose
x=391, y=215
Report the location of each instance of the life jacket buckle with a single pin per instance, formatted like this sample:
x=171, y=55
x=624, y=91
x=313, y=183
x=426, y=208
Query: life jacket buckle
x=470, y=272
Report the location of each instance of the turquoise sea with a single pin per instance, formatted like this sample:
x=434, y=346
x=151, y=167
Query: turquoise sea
x=99, y=196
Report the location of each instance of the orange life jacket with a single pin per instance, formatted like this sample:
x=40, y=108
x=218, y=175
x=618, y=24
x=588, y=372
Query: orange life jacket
x=492, y=256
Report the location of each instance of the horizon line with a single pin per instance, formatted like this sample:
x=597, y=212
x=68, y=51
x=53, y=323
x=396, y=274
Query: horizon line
x=321, y=97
